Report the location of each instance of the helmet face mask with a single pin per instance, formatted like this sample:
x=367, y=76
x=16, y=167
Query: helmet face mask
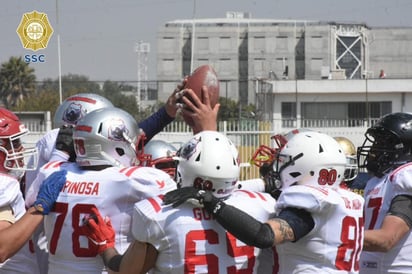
x=14, y=157
x=209, y=161
x=108, y=136
x=387, y=144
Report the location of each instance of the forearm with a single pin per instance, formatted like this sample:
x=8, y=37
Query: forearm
x=15, y=236
x=243, y=226
x=375, y=240
x=392, y=231
x=132, y=261
x=155, y=123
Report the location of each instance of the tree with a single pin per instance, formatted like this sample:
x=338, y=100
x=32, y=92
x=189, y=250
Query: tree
x=17, y=81
x=230, y=110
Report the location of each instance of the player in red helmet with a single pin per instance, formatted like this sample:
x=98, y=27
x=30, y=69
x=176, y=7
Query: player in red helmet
x=15, y=254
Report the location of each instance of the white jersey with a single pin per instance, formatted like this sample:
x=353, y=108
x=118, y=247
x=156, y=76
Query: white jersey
x=45, y=152
x=45, y=147
x=24, y=261
x=113, y=191
x=335, y=242
x=189, y=240
x=379, y=192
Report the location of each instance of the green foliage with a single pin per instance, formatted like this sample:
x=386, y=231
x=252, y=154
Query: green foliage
x=231, y=110
x=17, y=82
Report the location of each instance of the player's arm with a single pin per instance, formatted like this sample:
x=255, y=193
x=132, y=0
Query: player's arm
x=14, y=236
x=291, y=224
x=136, y=259
x=396, y=224
x=164, y=116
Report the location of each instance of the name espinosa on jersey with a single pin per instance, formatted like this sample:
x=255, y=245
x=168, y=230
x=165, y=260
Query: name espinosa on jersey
x=81, y=188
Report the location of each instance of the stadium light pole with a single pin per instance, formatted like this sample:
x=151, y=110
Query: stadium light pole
x=193, y=36
x=58, y=54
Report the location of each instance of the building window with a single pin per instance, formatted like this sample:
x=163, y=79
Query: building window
x=259, y=44
x=349, y=56
x=224, y=43
x=341, y=114
x=202, y=43
x=288, y=113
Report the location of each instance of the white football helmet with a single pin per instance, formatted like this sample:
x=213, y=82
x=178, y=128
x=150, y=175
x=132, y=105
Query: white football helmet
x=160, y=155
x=351, y=158
x=108, y=136
x=310, y=158
x=209, y=161
x=73, y=108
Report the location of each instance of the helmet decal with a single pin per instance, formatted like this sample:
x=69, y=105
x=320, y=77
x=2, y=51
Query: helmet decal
x=117, y=130
x=73, y=113
x=189, y=148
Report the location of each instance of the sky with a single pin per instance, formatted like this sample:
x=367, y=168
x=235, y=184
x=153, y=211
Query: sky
x=98, y=37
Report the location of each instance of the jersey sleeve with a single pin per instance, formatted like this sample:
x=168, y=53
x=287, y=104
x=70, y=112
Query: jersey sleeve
x=312, y=199
x=44, y=172
x=401, y=179
x=150, y=181
x=145, y=228
x=155, y=123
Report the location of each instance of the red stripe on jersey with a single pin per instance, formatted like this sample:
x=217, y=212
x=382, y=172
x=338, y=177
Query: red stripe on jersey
x=155, y=204
x=83, y=99
x=129, y=170
x=397, y=170
x=250, y=194
x=53, y=164
x=253, y=194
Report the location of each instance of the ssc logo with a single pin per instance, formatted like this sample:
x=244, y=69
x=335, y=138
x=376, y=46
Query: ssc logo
x=34, y=30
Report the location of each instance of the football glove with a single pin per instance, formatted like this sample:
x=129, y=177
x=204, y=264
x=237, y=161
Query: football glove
x=64, y=141
x=193, y=195
x=100, y=232
x=49, y=191
x=272, y=183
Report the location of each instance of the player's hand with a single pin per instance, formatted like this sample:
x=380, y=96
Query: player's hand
x=100, y=232
x=64, y=141
x=202, y=115
x=193, y=195
x=49, y=191
x=172, y=104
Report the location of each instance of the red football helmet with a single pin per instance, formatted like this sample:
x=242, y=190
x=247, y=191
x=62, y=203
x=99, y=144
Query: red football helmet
x=13, y=156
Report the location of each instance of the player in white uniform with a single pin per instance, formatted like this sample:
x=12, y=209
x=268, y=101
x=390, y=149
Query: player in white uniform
x=105, y=177
x=67, y=114
x=387, y=156
x=13, y=163
x=188, y=239
x=319, y=225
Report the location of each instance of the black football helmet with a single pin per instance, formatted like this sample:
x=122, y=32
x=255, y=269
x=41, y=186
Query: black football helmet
x=388, y=144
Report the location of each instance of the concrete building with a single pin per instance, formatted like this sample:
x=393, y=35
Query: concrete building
x=300, y=70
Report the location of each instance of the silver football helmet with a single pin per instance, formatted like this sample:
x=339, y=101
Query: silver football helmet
x=209, y=161
x=75, y=107
x=108, y=136
x=310, y=158
x=160, y=155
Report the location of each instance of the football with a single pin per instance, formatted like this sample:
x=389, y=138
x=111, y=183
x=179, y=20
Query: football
x=204, y=76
